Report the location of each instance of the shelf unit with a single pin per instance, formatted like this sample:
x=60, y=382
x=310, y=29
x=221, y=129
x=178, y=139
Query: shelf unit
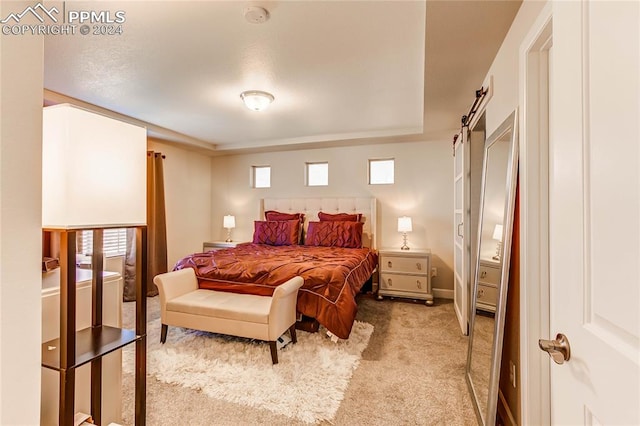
x=74, y=349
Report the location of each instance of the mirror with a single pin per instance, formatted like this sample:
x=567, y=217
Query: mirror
x=499, y=178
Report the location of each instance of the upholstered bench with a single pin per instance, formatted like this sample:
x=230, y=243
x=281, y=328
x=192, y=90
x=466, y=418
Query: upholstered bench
x=183, y=304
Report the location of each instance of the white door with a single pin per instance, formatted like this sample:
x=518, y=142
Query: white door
x=460, y=287
x=595, y=211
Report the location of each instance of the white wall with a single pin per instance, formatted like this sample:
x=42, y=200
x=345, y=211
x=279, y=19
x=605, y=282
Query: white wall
x=21, y=66
x=505, y=67
x=187, y=186
x=422, y=190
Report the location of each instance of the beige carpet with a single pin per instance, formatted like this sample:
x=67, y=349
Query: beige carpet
x=411, y=373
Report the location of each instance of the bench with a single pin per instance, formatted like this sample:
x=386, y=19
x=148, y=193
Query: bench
x=183, y=304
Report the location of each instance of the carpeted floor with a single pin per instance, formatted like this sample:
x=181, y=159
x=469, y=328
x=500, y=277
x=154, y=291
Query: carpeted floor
x=411, y=373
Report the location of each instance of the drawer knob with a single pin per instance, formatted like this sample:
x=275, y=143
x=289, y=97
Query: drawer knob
x=389, y=264
x=480, y=293
x=389, y=282
x=419, y=283
x=483, y=274
x=419, y=266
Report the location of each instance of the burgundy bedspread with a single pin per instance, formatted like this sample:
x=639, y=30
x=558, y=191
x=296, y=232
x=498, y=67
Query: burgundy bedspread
x=332, y=276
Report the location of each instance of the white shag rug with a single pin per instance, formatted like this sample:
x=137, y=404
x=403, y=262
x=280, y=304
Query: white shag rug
x=308, y=383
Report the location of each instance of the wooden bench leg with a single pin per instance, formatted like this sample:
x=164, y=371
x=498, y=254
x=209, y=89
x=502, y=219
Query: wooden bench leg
x=163, y=333
x=292, y=332
x=274, y=352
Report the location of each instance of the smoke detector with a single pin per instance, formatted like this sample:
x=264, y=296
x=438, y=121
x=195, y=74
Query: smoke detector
x=256, y=15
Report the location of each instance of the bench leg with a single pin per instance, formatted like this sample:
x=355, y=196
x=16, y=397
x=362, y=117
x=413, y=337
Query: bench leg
x=163, y=333
x=274, y=352
x=292, y=332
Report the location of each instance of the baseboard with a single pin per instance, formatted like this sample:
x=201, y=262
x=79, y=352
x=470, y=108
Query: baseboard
x=505, y=416
x=442, y=293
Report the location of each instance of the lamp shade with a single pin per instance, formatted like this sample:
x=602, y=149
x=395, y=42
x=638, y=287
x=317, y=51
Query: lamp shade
x=404, y=224
x=497, y=232
x=94, y=170
x=229, y=222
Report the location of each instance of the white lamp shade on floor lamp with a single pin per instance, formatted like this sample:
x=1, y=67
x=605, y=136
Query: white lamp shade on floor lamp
x=94, y=170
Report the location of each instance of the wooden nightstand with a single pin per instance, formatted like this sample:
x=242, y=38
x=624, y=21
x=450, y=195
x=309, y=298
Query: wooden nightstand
x=405, y=273
x=217, y=245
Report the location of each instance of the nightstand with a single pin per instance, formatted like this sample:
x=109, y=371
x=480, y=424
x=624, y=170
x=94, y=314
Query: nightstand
x=405, y=273
x=217, y=245
x=488, y=285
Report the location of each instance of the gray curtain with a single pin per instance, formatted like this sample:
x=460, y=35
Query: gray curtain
x=156, y=231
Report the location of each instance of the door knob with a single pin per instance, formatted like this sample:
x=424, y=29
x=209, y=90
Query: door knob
x=558, y=349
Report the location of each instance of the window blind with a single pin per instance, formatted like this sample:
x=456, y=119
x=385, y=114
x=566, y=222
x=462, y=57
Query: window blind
x=114, y=242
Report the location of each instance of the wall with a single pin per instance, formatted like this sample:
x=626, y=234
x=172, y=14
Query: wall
x=505, y=66
x=187, y=186
x=423, y=189
x=21, y=67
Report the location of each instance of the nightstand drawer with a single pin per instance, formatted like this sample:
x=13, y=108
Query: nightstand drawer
x=487, y=296
x=409, y=265
x=398, y=282
x=489, y=273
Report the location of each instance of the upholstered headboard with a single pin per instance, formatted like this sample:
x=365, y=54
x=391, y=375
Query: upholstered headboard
x=311, y=206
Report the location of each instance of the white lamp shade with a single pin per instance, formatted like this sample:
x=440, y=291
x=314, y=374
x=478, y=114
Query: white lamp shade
x=229, y=222
x=497, y=233
x=404, y=224
x=94, y=170
x=257, y=100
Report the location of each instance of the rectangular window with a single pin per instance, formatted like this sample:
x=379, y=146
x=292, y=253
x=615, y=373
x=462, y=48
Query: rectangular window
x=114, y=242
x=381, y=172
x=317, y=174
x=261, y=176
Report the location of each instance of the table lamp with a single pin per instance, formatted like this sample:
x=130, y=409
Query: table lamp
x=229, y=222
x=497, y=235
x=404, y=226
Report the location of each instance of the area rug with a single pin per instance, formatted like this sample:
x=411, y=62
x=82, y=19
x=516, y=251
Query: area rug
x=308, y=383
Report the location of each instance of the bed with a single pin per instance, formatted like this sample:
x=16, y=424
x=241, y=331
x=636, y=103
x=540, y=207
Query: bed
x=333, y=275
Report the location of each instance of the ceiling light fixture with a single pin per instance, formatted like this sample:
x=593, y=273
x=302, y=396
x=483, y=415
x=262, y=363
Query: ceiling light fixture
x=256, y=100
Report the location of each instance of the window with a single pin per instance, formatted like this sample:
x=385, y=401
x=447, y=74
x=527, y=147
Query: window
x=114, y=242
x=381, y=172
x=317, y=174
x=261, y=176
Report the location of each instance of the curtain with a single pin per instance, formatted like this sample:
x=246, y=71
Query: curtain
x=156, y=231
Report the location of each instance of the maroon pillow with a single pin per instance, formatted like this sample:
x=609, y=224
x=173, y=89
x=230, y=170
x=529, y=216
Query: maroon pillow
x=334, y=234
x=276, y=233
x=276, y=215
x=339, y=217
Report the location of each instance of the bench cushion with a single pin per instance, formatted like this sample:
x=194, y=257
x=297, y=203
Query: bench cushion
x=219, y=304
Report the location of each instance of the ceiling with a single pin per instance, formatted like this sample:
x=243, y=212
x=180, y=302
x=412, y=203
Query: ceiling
x=342, y=72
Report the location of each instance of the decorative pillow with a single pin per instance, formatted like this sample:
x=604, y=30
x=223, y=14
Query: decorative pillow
x=276, y=232
x=339, y=217
x=334, y=234
x=276, y=215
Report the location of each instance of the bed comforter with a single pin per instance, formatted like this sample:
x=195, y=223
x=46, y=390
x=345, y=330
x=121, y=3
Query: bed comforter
x=332, y=276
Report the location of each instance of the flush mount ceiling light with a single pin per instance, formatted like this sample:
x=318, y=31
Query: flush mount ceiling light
x=256, y=100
